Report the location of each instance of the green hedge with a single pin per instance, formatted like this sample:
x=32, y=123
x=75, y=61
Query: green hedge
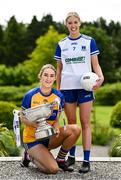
x=109, y=94
x=20, y=74
x=14, y=93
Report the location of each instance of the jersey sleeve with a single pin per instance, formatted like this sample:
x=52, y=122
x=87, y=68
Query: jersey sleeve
x=93, y=47
x=62, y=102
x=26, y=102
x=57, y=55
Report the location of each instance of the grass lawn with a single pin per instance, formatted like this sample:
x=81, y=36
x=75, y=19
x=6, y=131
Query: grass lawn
x=102, y=116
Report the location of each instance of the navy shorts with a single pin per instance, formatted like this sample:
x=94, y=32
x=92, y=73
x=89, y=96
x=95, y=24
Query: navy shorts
x=77, y=95
x=45, y=142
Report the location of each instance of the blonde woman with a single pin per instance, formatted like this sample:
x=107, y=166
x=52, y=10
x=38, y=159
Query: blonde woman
x=39, y=150
x=77, y=54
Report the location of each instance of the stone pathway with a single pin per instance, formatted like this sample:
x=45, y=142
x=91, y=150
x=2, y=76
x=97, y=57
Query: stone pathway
x=99, y=171
x=96, y=151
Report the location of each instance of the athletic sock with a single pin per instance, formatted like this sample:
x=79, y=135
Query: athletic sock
x=72, y=151
x=62, y=154
x=86, y=155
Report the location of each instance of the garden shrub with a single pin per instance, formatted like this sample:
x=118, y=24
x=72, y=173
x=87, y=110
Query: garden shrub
x=15, y=75
x=7, y=143
x=6, y=114
x=115, y=120
x=108, y=94
x=101, y=135
x=14, y=93
x=115, y=149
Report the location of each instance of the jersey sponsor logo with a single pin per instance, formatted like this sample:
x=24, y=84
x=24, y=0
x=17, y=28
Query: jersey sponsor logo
x=44, y=101
x=74, y=43
x=36, y=102
x=83, y=48
x=86, y=77
x=87, y=96
x=66, y=49
x=75, y=60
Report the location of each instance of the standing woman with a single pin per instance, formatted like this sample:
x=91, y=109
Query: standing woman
x=76, y=55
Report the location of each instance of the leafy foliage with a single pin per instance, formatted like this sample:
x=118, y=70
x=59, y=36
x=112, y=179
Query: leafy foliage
x=101, y=134
x=107, y=57
x=6, y=114
x=115, y=120
x=7, y=143
x=18, y=41
x=115, y=149
x=43, y=53
x=14, y=93
x=14, y=42
x=26, y=72
x=108, y=94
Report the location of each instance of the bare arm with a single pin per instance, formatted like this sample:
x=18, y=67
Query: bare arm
x=59, y=70
x=56, y=124
x=97, y=69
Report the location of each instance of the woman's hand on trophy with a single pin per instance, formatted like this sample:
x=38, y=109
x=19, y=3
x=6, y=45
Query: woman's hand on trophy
x=56, y=127
x=35, y=124
x=57, y=131
x=27, y=122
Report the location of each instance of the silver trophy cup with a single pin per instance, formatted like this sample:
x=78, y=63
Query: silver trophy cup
x=40, y=114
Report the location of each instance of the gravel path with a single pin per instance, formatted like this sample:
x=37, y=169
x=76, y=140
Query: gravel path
x=99, y=171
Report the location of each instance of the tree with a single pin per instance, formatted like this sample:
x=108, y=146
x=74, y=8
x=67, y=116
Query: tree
x=2, y=54
x=43, y=53
x=33, y=32
x=15, y=50
x=113, y=29
x=45, y=23
x=117, y=42
x=36, y=29
x=107, y=49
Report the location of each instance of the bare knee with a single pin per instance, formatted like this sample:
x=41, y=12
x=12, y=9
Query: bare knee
x=71, y=121
x=48, y=168
x=85, y=125
x=76, y=130
x=53, y=170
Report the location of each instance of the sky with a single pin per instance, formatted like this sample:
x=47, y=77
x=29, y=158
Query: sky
x=89, y=10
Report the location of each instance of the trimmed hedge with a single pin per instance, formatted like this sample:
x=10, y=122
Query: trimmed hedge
x=108, y=94
x=17, y=75
x=14, y=93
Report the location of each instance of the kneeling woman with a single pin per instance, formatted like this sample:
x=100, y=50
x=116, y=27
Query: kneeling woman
x=39, y=150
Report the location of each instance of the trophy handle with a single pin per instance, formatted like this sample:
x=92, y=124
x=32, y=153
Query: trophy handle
x=16, y=127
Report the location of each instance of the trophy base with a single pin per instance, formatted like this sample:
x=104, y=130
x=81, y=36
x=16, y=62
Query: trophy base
x=44, y=134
